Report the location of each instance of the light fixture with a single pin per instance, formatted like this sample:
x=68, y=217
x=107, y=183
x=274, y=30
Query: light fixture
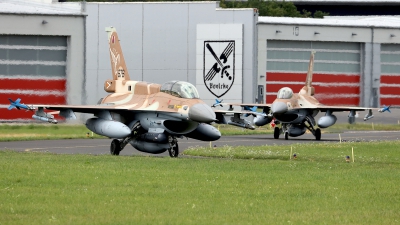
x=353, y=34
x=392, y=35
x=315, y=33
x=44, y=22
x=278, y=31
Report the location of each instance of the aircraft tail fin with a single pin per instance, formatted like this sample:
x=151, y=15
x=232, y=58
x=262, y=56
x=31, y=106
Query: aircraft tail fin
x=118, y=65
x=308, y=89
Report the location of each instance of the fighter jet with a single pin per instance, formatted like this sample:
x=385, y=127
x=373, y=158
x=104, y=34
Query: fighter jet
x=295, y=111
x=148, y=116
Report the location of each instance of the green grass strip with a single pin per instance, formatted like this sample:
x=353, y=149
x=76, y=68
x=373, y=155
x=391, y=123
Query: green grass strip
x=318, y=187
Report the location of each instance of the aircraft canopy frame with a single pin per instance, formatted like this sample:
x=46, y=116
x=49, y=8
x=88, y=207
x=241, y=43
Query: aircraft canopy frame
x=180, y=89
x=285, y=93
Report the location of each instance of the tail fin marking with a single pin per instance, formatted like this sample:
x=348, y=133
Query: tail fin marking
x=118, y=65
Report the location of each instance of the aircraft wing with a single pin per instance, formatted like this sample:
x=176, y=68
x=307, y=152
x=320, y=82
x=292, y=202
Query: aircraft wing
x=369, y=115
x=261, y=105
x=233, y=112
x=248, y=109
x=324, y=108
x=68, y=111
x=82, y=108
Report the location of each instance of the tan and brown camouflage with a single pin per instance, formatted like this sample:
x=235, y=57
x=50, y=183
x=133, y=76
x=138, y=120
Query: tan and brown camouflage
x=148, y=116
x=294, y=111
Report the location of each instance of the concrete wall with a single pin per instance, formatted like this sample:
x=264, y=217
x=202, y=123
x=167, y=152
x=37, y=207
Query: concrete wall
x=159, y=42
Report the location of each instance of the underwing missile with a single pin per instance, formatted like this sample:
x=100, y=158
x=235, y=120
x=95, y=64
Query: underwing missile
x=45, y=119
x=243, y=125
x=368, y=117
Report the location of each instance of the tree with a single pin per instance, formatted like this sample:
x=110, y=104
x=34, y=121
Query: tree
x=272, y=8
x=265, y=7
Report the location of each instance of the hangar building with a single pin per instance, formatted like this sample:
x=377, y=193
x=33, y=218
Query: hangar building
x=56, y=53
x=42, y=55
x=357, y=61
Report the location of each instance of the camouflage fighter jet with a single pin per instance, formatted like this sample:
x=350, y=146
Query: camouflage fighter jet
x=294, y=111
x=148, y=116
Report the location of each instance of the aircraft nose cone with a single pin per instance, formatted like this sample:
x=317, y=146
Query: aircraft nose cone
x=278, y=107
x=202, y=113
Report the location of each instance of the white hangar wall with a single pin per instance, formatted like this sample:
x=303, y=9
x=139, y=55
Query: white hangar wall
x=160, y=42
x=356, y=62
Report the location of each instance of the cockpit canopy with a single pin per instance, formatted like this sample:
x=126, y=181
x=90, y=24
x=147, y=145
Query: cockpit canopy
x=180, y=89
x=285, y=93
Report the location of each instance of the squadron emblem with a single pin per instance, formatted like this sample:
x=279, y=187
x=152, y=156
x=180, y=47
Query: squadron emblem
x=219, y=66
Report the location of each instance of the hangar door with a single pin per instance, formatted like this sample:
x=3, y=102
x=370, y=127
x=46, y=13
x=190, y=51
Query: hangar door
x=32, y=68
x=336, y=76
x=390, y=74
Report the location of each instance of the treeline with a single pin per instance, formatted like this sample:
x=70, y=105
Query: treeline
x=272, y=8
x=265, y=7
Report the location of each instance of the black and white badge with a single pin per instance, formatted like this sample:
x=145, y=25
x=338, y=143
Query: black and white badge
x=219, y=66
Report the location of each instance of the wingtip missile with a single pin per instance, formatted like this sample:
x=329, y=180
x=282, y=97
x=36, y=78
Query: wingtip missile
x=217, y=103
x=384, y=109
x=18, y=105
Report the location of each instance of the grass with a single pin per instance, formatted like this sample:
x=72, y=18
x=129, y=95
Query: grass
x=25, y=132
x=364, y=126
x=318, y=187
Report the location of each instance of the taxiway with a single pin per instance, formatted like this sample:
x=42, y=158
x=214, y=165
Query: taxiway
x=102, y=146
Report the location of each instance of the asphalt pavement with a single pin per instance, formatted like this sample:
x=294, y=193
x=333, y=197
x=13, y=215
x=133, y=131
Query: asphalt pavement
x=102, y=146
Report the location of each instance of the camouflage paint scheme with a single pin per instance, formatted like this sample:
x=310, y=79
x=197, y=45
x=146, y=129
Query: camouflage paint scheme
x=148, y=116
x=294, y=111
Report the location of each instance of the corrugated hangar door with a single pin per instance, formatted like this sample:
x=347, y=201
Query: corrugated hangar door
x=32, y=68
x=390, y=74
x=336, y=76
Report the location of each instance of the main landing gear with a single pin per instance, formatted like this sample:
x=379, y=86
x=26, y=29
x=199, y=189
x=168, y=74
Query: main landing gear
x=118, y=145
x=278, y=131
x=115, y=147
x=174, y=151
x=311, y=123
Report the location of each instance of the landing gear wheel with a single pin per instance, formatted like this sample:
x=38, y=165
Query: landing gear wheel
x=286, y=135
x=276, y=132
x=318, y=134
x=174, y=151
x=115, y=147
